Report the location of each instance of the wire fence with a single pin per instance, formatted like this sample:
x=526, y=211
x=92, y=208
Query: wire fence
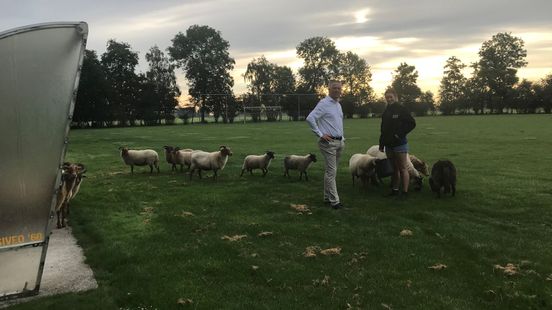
x=262, y=108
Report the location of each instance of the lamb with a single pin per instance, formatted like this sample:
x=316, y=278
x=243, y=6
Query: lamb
x=71, y=173
x=443, y=175
x=301, y=163
x=362, y=166
x=209, y=161
x=257, y=162
x=169, y=156
x=183, y=157
x=140, y=158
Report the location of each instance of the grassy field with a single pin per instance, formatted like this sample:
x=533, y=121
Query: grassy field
x=147, y=252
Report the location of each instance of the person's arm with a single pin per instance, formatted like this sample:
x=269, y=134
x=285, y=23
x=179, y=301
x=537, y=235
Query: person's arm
x=407, y=123
x=312, y=119
x=381, y=132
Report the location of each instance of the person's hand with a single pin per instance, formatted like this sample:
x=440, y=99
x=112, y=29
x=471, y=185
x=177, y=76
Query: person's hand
x=326, y=137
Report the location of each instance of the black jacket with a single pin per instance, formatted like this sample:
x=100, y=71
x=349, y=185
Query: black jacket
x=396, y=123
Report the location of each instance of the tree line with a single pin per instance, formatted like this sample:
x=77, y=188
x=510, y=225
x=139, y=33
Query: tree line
x=111, y=93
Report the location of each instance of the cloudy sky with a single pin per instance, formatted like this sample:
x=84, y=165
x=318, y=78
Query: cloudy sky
x=423, y=33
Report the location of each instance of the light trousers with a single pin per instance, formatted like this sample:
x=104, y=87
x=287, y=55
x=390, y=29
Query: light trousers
x=332, y=152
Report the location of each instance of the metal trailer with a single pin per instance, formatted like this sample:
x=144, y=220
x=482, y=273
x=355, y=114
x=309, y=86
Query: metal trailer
x=40, y=69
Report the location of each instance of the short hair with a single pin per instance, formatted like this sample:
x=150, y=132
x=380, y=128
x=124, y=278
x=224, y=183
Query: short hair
x=330, y=82
x=391, y=90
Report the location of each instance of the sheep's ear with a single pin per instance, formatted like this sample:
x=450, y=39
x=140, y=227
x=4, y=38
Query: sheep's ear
x=222, y=147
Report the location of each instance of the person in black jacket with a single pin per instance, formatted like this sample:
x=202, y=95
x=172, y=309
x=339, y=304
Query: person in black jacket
x=396, y=123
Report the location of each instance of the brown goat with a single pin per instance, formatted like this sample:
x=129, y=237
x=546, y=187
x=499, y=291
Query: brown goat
x=71, y=179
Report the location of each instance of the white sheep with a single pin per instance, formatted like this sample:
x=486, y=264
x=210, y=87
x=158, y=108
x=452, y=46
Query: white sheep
x=257, y=162
x=183, y=157
x=140, y=158
x=416, y=166
x=362, y=166
x=301, y=163
x=209, y=161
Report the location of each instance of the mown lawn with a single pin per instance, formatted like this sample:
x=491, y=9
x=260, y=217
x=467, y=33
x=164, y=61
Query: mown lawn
x=148, y=253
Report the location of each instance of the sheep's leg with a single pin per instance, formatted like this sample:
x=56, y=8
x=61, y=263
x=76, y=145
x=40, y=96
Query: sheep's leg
x=300, y=175
x=453, y=189
x=151, y=168
x=63, y=214
x=306, y=176
x=215, y=176
x=250, y=171
x=58, y=213
x=199, y=172
x=242, y=173
x=286, y=172
x=265, y=171
x=157, y=166
x=181, y=168
x=131, y=169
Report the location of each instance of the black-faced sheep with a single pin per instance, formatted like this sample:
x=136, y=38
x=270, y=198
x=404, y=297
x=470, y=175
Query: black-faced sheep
x=301, y=163
x=362, y=166
x=443, y=175
x=140, y=158
x=170, y=156
x=257, y=162
x=71, y=178
x=209, y=161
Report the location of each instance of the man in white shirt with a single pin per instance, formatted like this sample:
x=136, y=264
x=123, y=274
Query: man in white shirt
x=326, y=121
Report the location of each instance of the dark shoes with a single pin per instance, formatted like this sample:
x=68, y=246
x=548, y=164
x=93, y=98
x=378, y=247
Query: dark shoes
x=393, y=193
x=337, y=206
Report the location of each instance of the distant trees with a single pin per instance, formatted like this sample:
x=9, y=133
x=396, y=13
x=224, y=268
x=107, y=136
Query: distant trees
x=404, y=82
x=91, y=107
x=163, y=79
x=269, y=85
x=203, y=55
x=111, y=93
x=500, y=57
x=453, y=84
x=321, y=63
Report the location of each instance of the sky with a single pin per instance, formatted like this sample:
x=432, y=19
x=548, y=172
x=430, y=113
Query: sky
x=423, y=33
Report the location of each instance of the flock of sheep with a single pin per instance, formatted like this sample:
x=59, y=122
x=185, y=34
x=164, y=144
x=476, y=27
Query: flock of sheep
x=364, y=166
x=361, y=166
x=198, y=160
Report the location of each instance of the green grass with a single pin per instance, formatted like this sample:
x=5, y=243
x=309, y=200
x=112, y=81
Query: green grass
x=149, y=260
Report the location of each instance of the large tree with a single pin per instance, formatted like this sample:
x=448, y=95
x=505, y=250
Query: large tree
x=271, y=84
x=203, y=55
x=404, y=82
x=356, y=76
x=161, y=76
x=119, y=62
x=500, y=57
x=543, y=91
x=475, y=92
x=91, y=107
x=453, y=83
x=321, y=63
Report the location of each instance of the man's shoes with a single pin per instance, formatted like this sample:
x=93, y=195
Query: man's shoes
x=337, y=206
x=393, y=193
